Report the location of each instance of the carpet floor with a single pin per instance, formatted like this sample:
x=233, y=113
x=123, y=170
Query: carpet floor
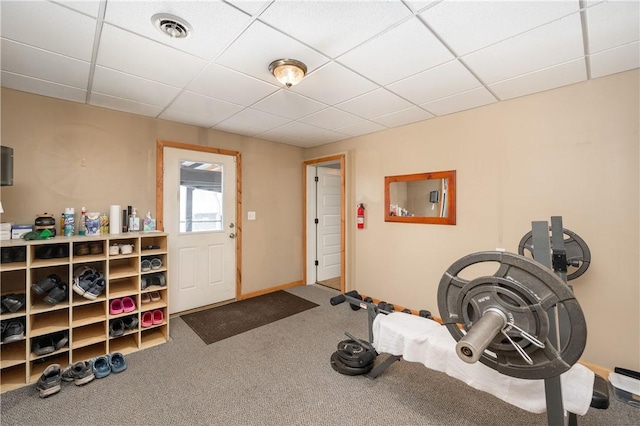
x=277, y=374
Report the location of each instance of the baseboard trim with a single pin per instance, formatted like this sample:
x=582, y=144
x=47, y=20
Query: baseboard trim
x=272, y=289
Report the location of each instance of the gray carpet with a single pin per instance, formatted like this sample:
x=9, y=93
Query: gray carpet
x=278, y=374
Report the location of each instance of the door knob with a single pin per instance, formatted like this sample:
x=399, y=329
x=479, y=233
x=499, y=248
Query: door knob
x=232, y=235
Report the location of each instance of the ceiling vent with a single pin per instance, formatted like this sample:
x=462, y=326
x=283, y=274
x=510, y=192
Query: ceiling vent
x=171, y=25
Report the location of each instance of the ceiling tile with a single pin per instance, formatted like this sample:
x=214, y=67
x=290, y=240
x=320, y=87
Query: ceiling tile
x=46, y=23
x=615, y=60
x=287, y=104
x=442, y=81
x=296, y=129
x=389, y=57
x=119, y=104
x=260, y=45
x=419, y=5
x=88, y=7
x=400, y=118
x=214, y=23
x=127, y=86
x=181, y=117
x=22, y=59
x=322, y=138
x=146, y=58
x=467, y=26
x=259, y=120
x=530, y=51
x=336, y=27
x=333, y=84
x=538, y=81
x=198, y=105
x=374, y=104
x=331, y=118
x=459, y=102
x=361, y=128
x=238, y=129
x=602, y=17
x=231, y=86
x=41, y=87
x=252, y=7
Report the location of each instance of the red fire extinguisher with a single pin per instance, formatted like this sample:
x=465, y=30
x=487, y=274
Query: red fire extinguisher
x=360, y=216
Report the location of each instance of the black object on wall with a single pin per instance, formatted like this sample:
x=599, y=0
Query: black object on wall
x=6, y=166
x=433, y=197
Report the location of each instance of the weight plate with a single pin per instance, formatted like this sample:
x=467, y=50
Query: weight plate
x=342, y=368
x=353, y=354
x=525, y=291
x=576, y=249
x=355, y=307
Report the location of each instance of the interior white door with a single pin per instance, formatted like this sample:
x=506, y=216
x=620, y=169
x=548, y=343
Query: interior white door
x=328, y=241
x=199, y=215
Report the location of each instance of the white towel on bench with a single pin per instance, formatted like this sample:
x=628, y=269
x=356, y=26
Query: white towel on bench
x=422, y=340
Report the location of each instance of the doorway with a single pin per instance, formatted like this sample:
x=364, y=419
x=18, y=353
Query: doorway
x=325, y=221
x=198, y=194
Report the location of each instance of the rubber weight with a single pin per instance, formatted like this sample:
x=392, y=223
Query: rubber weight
x=353, y=354
x=342, y=368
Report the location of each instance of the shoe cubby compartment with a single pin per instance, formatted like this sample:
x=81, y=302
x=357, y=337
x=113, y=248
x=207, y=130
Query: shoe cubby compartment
x=123, y=268
x=87, y=352
x=154, y=336
x=13, y=377
x=153, y=245
x=155, y=263
x=89, y=313
x=13, y=283
x=153, y=293
x=123, y=287
x=13, y=353
x=38, y=366
x=13, y=256
x=48, y=322
x=89, y=334
x=126, y=344
x=89, y=251
x=49, y=254
x=38, y=301
x=127, y=247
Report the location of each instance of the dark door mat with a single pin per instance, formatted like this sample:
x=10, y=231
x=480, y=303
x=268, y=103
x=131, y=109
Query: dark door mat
x=215, y=324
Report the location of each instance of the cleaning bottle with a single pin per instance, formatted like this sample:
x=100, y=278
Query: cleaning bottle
x=82, y=228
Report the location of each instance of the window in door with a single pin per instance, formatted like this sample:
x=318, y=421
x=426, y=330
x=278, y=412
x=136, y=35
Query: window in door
x=200, y=196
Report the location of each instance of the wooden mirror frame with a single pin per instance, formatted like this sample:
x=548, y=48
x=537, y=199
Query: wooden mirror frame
x=451, y=191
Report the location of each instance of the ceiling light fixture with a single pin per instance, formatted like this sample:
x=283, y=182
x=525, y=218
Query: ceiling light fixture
x=288, y=71
x=171, y=25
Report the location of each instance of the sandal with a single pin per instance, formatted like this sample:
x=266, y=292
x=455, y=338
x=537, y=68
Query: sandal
x=156, y=263
x=155, y=296
x=145, y=265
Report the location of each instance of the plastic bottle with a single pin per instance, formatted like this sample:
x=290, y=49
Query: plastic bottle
x=134, y=221
x=82, y=228
x=69, y=221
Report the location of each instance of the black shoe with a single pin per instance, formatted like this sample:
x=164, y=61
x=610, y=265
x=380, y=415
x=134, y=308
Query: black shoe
x=13, y=331
x=43, y=346
x=46, y=284
x=44, y=252
x=60, y=251
x=19, y=254
x=57, y=294
x=13, y=302
x=7, y=255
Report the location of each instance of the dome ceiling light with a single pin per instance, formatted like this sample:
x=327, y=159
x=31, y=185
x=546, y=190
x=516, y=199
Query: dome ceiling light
x=288, y=71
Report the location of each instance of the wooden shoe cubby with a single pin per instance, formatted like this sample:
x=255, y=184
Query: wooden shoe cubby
x=85, y=321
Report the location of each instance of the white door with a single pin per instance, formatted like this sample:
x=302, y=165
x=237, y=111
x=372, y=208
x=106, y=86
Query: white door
x=328, y=241
x=199, y=214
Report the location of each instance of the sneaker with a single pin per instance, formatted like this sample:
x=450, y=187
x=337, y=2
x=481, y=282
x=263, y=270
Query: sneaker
x=130, y=322
x=60, y=339
x=13, y=331
x=80, y=373
x=7, y=255
x=84, y=279
x=13, y=302
x=46, y=284
x=96, y=289
x=49, y=383
x=43, y=345
x=116, y=328
x=101, y=367
x=117, y=362
x=19, y=254
x=58, y=294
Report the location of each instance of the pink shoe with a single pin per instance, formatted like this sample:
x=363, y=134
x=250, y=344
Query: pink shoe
x=115, y=307
x=147, y=319
x=158, y=317
x=128, y=304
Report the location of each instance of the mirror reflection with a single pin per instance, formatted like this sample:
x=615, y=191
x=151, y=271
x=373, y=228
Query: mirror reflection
x=421, y=198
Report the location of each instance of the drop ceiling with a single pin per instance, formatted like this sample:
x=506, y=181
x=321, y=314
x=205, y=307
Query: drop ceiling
x=372, y=65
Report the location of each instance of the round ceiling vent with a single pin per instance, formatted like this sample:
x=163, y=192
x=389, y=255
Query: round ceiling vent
x=171, y=25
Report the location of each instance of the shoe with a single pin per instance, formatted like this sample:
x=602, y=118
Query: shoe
x=49, y=382
x=128, y=304
x=116, y=328
x=80, y=373
x=101, y=367
x=60, y=251
x=58, y=294
x=157, y=279
x=145, y=298
x=6, y=255
x=158, y=317
x=19, y=254
x=60, y=340
x=46, y=284
x=115, y=307
x=145, y=265
x=13, y=302
x=114, y=250
x=95, y=248
x=43, y=346
x=96, y=289
x=81, y=249
x=13, y=331
x=130, y=322
x=147, y=319
x=155, y=296
x=44, y=252
x=118, y=364
x=156, y=263
x=83, y=277
x=126, y=249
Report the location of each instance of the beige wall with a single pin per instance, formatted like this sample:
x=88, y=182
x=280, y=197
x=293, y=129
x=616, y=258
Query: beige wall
x=72, y=155
x=571, y=152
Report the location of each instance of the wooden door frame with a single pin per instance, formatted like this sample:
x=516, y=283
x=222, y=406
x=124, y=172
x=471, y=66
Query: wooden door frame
x=160, y=146
x=315, y=162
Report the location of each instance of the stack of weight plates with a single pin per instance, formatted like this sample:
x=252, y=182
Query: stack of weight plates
x=352, y=358
x=45, y=221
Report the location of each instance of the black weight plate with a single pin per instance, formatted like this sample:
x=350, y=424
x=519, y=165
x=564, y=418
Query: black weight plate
x=342, y=368
x=355, y=307
x=353, y=354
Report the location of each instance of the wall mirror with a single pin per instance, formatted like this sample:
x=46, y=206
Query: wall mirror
x=421, y=198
